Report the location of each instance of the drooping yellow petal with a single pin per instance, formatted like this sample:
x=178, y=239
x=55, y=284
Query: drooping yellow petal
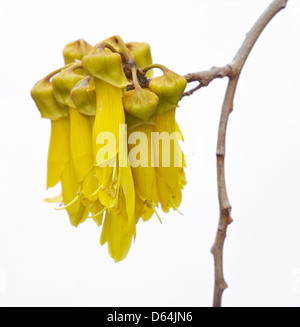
x=97, y=212
x=144, y=174
x=109, y=116
x=70, y=189
x=165, y=123
x=81, y=144
x=55, y=199
x=176, y=197
x=90, y=186
x=117, y=232
x=164, y=193
x=170, y=180
x=177, y=129
x=59, y=150
x=127, y=186
x=109, y=186
x=120, y=238
x=143, y=209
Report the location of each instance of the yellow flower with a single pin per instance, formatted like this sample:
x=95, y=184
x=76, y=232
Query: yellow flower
x=170, y=180
x=59, y=150
x=116, y=192
x=102, y=149
x=81, y=144
x=70, y=192
x=117, y=231
x=144, y=174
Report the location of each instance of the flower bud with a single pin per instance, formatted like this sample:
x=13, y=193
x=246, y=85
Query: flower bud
x=117, y=42
x=84, y=97
x=140, y=103
x=141, y=54
x=106, y=65
x=42, y=94
x=64, y=82
x=169, y=88
x=76, y=50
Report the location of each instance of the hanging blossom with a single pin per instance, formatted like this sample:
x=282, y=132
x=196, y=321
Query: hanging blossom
x=114, y=144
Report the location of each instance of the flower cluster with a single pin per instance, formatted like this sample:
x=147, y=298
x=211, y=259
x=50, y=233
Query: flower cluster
x=114, y=142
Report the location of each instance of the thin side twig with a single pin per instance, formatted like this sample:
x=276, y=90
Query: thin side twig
x=205, y=77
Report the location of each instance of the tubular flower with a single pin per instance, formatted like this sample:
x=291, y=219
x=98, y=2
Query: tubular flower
x=170, y=176
x=115, y=151
x=59, y=150
x=144, y=175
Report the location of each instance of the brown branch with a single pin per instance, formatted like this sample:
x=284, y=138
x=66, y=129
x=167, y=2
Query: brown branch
x=224, y=204
x=205, y=77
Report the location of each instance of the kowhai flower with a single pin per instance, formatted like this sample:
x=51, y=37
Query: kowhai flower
x=115, y=150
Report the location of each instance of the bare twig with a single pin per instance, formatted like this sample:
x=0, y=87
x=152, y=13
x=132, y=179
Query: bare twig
x=205, y=77
x=191, y=91
x=225, y=207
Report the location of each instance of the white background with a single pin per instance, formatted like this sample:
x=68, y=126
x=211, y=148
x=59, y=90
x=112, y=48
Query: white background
x=44, y=261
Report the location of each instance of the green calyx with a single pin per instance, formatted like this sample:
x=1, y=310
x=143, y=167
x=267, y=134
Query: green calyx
x=84, y=97
x=76, y=51
x=65, y=81
x=118, y=44
x=141, y=54
x=169, y=88
x=140, y=103
x=73, y=85
x=43, y=95
x=105, y=64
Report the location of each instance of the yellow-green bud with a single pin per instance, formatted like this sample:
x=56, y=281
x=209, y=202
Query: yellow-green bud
x=140, y=103
x=169, y=88
x=117, y=42
x=141, y=54
x=84, y=96
x=42, y=94
x=76, y=50
x=106, y=65
x=64, y=82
